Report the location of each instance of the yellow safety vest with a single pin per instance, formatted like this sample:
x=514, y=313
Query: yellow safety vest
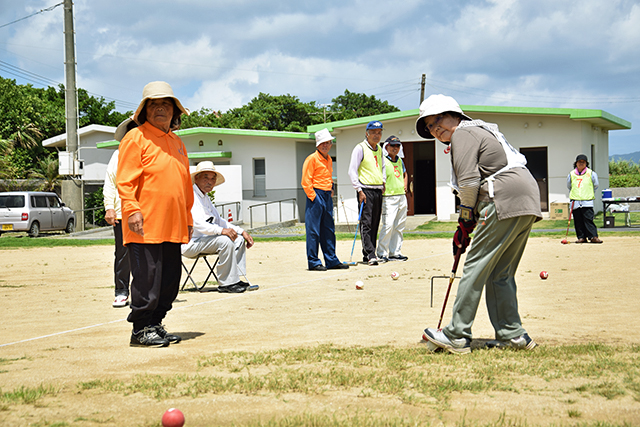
x=581, y=186
x=370, y=169
x=395, y=177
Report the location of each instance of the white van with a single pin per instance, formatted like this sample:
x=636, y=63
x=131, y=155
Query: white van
x=33, y=211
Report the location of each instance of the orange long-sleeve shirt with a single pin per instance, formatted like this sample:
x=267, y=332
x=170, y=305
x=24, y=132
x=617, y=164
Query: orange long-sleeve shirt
x=153, y=178
x=317, y=173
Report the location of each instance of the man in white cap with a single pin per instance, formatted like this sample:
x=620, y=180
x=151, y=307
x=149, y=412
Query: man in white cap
x=113, y=216
x=212, y=234
x=317, y=182
x=156, y=195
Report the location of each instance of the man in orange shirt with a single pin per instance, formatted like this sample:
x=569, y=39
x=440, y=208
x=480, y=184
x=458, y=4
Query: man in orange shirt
x=317, y=182
x=155, y=189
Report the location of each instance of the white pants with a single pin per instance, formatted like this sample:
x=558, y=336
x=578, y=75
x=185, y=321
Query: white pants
x=394, y=218
x=231, y=255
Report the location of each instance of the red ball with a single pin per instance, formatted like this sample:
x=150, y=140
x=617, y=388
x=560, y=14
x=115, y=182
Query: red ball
x=173, y=418
x=564, y=241
x=544, y=274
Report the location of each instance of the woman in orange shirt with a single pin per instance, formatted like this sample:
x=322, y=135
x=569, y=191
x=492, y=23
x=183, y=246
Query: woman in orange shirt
x=155, y=188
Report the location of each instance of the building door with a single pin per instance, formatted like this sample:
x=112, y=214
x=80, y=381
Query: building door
x=537, y=164
x=419, y=159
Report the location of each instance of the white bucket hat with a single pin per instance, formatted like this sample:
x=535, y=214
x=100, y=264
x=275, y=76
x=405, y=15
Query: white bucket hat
x=436, y=104
x=157, y=90
x=207, y=166
x=124, y=127
x=323, y=135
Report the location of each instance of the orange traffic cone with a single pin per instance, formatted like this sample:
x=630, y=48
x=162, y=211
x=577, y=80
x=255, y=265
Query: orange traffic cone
x=230, y=219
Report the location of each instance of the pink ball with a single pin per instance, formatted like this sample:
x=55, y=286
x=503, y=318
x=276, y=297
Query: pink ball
x=544, y=275
x=564, y=241
x=173, y=418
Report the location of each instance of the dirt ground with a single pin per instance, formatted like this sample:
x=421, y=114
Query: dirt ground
x=59, y=327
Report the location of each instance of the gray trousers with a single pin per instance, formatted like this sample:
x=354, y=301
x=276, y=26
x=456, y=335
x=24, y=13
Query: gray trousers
x=231, y=255
x=491, y=262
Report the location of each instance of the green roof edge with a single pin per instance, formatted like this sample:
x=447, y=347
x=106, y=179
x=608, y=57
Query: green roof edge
x=247, y=132
x=572, y=113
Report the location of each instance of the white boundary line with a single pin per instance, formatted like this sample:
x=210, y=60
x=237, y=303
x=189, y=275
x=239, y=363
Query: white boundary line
x=244, y=294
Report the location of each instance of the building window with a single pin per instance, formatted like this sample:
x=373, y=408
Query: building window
x=259, y=178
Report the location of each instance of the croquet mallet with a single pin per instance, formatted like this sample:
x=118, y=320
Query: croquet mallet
x=354, y=237
x=568, y=223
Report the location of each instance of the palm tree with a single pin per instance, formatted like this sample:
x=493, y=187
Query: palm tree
x=48, y=172
x=27, y=136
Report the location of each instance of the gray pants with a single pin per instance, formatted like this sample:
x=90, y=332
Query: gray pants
x=492, y=261
x=231, y=255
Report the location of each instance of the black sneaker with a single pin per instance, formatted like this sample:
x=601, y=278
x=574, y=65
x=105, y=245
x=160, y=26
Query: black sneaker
x=398, y=258
x=236, y=288
x=162, y=332
x=147, y=337
x=339, y=267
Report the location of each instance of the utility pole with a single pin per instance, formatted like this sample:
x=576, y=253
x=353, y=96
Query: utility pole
x=422, y=84
x=72, y=187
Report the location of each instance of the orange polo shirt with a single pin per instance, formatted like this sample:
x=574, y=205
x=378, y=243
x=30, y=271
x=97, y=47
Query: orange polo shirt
x=316, y=173
x=153, y=178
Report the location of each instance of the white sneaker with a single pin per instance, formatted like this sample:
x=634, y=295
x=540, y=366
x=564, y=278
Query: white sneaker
x=121, y=301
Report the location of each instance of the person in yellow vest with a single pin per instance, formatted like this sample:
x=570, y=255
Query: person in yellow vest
x=394, y=203
x=367, y=175
x=317, y=182
x=583, y=182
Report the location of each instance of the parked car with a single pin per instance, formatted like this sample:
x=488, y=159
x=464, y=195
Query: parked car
x=33, y=212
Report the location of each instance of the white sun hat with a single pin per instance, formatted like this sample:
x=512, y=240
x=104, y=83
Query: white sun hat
x=207, y=166
x=436, y=104
x=124, y=127
x=323, y=135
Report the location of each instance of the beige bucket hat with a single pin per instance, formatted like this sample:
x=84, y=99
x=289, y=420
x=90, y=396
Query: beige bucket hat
x=323, y=135
x=124, y=127
x=157, y=90
x=436, y=104
x=207, y=166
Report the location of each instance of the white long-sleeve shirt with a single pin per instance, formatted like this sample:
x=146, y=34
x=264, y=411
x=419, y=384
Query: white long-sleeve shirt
x=203, y=210
x=111, y=198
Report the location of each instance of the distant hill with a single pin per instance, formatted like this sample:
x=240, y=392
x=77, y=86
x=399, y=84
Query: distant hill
x=634, y=157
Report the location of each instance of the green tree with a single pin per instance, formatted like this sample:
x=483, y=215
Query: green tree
x=624, y=173
x=269, y=112
x=352, y=105
x=204, y=117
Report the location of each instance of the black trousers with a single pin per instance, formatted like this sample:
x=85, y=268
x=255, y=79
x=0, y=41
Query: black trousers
x=583, y=223
x=156, y=270
x=370, y=221
x=121, y=266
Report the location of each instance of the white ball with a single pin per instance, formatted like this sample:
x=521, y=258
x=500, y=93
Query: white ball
x=359, y=284
x=395, y=275
x=432, y=347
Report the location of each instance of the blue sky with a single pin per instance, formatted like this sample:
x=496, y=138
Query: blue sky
x=220, y=54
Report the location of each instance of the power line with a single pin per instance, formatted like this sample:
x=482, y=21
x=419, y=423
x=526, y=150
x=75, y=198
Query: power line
x=33, y=14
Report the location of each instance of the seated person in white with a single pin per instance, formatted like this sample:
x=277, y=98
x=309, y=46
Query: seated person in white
x=212, y=234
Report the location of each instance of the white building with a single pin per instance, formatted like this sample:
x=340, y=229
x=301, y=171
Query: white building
x=266, y=166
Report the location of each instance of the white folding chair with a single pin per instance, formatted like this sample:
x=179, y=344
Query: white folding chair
x=190, y=272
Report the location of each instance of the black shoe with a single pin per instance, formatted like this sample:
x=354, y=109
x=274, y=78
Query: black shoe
x=398, y=258
x=383, y=259
x=232, y=289
x=339, y=267
x=147, y=337
x=162, y=332
x=318, y=267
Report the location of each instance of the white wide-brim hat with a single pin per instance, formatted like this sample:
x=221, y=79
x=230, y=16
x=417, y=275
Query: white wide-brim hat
x=124, y=127
x=436, y=104
x=323, y=135
x=158, y=90
x=207, y=166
